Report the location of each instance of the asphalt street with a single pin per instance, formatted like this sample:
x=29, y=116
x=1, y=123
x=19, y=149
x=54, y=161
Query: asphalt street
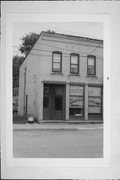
x=84, y=143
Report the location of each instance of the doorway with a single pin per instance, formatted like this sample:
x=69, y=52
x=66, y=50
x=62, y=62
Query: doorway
x=54, y=102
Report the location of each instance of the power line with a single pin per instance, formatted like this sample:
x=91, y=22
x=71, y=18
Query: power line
x=64, y=48
x=70, y=50
x=96, y=48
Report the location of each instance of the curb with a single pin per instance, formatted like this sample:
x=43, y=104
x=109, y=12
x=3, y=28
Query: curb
x=73, y=129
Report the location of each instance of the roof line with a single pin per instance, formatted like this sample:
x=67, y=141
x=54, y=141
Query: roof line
x=72, y=36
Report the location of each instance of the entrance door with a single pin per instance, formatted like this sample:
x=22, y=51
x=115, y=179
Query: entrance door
x=53, y=102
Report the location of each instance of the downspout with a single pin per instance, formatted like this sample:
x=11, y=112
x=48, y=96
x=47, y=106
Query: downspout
x=24, y=90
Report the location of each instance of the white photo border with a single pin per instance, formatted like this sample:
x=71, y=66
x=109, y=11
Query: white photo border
x=57, y=162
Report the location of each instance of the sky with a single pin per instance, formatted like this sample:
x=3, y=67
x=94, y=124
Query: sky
x=85, y=29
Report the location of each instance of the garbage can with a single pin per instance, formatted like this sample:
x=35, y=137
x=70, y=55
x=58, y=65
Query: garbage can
x=30, y=119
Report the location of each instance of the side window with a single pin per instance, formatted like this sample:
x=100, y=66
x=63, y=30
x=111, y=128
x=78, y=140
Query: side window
x=91, y=65
x=57, y=62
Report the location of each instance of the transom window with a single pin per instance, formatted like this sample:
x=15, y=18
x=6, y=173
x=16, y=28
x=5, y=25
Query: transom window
x=57, y=62
x=91, y=65
x=74, y=63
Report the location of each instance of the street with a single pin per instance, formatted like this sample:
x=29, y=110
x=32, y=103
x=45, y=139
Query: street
x=85, y=143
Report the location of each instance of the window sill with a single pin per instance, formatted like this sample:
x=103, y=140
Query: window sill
x=72, y=74
x=56, y=73
x=91, y=76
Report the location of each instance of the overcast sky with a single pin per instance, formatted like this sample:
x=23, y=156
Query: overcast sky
x=91, y=30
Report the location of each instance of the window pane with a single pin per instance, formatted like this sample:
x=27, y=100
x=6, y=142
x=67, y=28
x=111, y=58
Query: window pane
x=76, y=101
x=74, y=68
x=56, y=57
x=76, y=90
x=56, y=66
x=74, y=59
x=75, y=111
x=91, y=70
x=91, y=61
x=94, y=105
x=58, y=103
x=94, y=91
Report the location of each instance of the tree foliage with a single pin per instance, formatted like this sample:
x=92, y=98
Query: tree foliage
x=17, y=61
x=28, y=42
x=49, y=31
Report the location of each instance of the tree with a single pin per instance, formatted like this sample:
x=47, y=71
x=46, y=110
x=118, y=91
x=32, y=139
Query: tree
x=17, y=61
x=28, y=42
x=49, y=31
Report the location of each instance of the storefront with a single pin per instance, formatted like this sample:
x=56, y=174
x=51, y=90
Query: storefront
x=55, y=99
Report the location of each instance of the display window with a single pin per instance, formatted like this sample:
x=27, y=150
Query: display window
x=76, y=101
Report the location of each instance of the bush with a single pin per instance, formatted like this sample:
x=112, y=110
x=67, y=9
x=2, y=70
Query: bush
x=19, y=119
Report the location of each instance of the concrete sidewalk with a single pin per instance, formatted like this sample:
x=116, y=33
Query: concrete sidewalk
x=56, y=126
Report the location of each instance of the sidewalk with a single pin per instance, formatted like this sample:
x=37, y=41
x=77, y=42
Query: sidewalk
x=56, y=126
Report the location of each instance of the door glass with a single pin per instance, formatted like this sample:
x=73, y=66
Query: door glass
x=46, y=91
x=58, y=98
x=58, y=91
x=46, y=97
x=58, y=103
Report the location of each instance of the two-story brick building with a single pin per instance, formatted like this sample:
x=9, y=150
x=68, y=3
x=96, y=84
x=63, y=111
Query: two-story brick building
x=62, y=79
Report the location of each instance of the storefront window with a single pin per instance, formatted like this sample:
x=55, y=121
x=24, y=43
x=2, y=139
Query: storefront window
x=94, y=105
x=94, y=100
x=76, y=100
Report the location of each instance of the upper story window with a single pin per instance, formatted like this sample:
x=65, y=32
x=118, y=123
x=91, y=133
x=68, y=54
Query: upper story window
x=57, y=62
x=74, y=63
x=91, y=65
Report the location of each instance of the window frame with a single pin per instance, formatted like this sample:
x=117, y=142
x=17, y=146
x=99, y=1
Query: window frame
x=94, y=57
x=57, y=52
x=74, y=54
